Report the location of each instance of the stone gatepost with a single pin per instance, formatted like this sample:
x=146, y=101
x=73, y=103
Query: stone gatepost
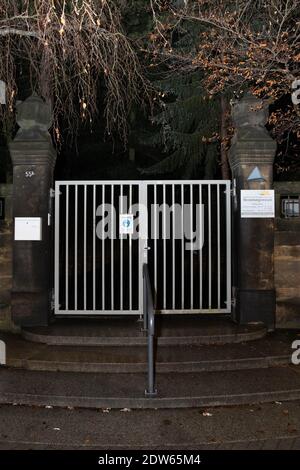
x=253, y=245
x=33, y=158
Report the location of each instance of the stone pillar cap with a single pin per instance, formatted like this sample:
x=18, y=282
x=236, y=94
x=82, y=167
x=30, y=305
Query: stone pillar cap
x=34, y=117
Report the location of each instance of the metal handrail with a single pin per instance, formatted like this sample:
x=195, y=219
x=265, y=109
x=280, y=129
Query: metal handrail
x=149, y=326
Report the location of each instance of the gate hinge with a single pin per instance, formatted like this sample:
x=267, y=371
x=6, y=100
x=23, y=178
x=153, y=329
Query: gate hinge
x=54, y=193
x=231, y=302
x=233, y=189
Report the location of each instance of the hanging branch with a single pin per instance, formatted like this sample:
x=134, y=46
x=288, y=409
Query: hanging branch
x=67, y=49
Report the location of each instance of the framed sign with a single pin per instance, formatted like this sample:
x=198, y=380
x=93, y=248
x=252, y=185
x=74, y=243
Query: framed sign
x=257, y=203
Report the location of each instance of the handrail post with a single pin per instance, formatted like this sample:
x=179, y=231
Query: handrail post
x=151, y=391
x=145, y=301
x=149, y=321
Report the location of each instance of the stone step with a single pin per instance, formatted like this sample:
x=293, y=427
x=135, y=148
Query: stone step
x=68, y=389
x=121, y=331
x=273, y=350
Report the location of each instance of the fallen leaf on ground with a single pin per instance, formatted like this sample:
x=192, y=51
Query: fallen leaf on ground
x=106, y=410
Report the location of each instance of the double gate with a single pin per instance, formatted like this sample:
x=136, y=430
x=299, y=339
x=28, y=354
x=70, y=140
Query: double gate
x=106, y=230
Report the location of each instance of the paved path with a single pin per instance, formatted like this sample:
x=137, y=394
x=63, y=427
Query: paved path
x=268, y=426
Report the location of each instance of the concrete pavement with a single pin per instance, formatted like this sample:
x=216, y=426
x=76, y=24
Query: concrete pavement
x=267, y=426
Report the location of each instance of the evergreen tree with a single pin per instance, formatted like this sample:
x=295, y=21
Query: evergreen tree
x=185, y=128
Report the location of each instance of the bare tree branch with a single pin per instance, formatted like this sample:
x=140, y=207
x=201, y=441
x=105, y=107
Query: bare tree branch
x=243, y=44
x=18, y=32
x=71, y=52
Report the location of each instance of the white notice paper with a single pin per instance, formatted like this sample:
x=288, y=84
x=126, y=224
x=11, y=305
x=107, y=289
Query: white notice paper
x=257, y=203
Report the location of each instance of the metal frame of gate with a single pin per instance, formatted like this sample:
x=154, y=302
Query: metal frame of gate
x=91, y=276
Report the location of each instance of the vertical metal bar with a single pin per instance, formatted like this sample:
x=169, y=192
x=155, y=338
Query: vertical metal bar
x=228, y=244
x=145, y=301
x=76, y=250
x=103, y=248
x=112, y=249
x=130, y=252
x=143, y=237
x=67, y=250
x=219, y=247
x=164, y=244
x=151, y=389
x=209, y=246
x=182, y=246
x=56, y=248
x=200, y=252
x=84, y=248
x=121, y=251
x=191, y=254
x=94, y=247
x=173, y=247
x=155, y=245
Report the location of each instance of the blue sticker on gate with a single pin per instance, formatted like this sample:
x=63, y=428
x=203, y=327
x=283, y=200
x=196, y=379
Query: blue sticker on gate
x=126, y=223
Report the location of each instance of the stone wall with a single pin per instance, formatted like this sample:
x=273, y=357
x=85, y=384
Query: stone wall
x=287, y=261
x=6, y=259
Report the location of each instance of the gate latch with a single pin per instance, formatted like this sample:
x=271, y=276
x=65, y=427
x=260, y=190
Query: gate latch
x=52, y=303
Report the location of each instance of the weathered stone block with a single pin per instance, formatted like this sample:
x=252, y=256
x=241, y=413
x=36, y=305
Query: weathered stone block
x=288, y=314
x=287, y=273
x=6, y=323
x=287, y=237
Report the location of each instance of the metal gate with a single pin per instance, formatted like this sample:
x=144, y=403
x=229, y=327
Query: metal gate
x=105, y=231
